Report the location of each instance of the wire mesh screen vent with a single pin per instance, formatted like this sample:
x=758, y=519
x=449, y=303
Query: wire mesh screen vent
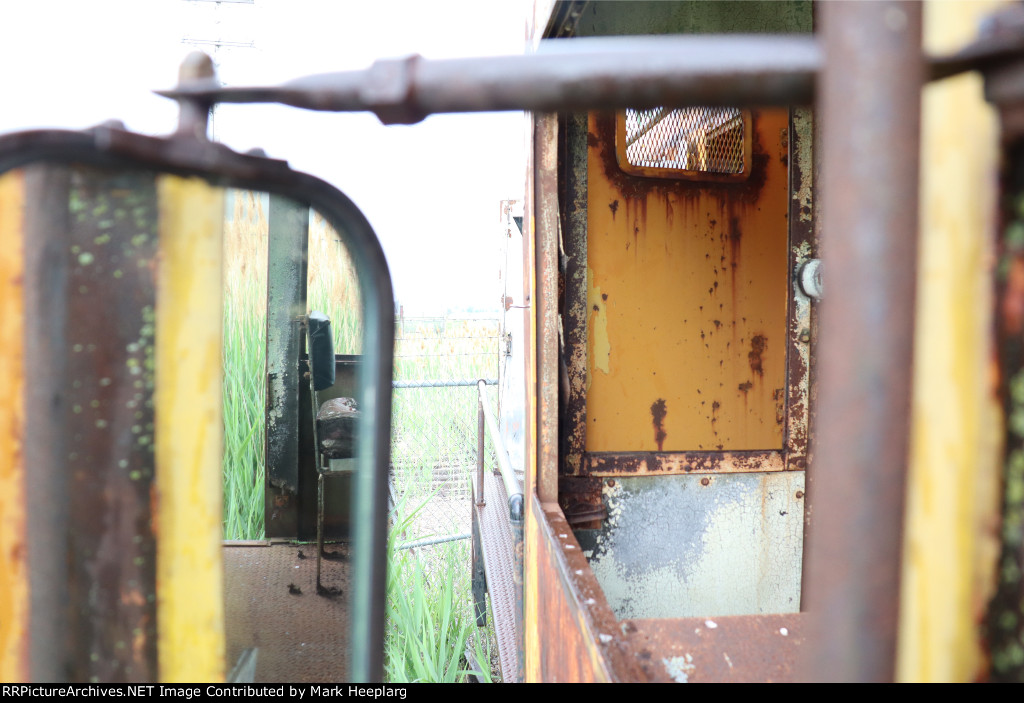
x=697, y=139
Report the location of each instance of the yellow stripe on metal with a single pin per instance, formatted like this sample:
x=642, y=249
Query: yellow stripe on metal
x=189, y=434
x=14, y=602
x=949, y=544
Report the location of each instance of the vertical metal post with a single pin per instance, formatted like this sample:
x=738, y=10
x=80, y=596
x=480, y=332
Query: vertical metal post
x=480, y=443
x=286, y=306
x=870, y=108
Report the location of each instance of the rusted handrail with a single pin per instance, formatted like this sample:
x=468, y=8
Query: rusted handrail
x=512, y=487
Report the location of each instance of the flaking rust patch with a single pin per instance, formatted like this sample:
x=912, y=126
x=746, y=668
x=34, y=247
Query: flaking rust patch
x=803, y=193
x=600, y=346
x=680, y=668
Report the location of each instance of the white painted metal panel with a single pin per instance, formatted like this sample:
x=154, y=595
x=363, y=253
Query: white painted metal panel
x=674, y=547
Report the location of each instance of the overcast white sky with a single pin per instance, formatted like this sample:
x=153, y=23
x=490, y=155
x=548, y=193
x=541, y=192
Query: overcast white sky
x=431, y=190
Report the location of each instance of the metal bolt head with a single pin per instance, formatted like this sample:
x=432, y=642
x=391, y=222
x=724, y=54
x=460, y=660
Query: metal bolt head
x=810, y=279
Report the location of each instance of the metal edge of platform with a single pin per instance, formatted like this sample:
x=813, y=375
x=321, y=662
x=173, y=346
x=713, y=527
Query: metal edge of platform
x=499, y=563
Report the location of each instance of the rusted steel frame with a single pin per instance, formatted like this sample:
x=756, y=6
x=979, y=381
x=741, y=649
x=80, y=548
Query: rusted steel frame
x=581, y=74
x=802, y=248
x=731, y=649
x=546, y=217
x=665, y=463
x=91, y=238
x=572, y=611
x=579, y=497
x=287, y=237
x=115, y=147
x=870, y=106
x=573, y=158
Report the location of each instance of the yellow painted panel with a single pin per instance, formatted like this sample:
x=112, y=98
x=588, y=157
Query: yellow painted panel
x=189, y=432
x=687, y=289
x=949, y=544
x=14, y=604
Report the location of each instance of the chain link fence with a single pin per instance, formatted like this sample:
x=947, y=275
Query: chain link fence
x=438, y=362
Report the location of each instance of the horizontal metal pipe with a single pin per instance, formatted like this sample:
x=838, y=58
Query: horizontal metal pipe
x=434, y=540
x=577, y=74
x=444, y=384
x=512, y=487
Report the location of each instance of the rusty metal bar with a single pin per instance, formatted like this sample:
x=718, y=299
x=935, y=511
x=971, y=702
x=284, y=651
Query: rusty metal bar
x=870, y=106
x=480, y=421
x=437, y=383
x=577, y=74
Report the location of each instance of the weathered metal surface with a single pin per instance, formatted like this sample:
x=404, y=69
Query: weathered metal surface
x=189, y=442
x=950, y=540
x=579, y=497
x=14, y=586
x=498, y=546
x=271, y=603
x=683, y=546
x=564, y=605
x=286, y=306
x=582, y=74
x=663, y=464
x=687, y=295
x=870, y=100
x=573, y=158
x=546, y=223
x=758, y=648
x=800, y=321
x=91, y=239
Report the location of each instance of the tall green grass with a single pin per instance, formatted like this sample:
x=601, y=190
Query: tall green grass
x=245, y=336
x=429, y=622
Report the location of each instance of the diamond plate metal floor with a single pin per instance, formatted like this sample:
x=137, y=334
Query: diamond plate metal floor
x=271, y=603
x=499, y=561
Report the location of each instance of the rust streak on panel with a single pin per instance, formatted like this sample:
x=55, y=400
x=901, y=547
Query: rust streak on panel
x=666, y=463
x=694, y=270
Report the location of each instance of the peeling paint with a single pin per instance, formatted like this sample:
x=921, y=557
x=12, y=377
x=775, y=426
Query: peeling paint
x=672, y=547
x=803, y=193
x=680, y=668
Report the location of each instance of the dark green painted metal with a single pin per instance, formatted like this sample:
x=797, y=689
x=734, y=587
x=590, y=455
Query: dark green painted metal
x=286, y=306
